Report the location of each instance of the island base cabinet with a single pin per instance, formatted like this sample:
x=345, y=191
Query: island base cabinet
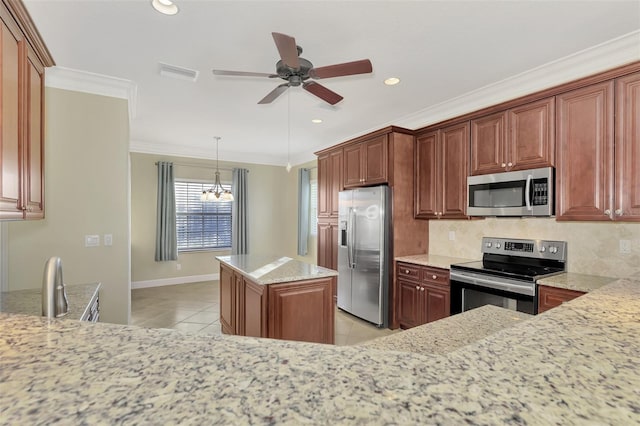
x=299, y=310
x=551, y=297
x=302, y=312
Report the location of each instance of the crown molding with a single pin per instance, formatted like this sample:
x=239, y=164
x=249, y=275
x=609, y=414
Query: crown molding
x=97, y=84
x=180, y=150
x=602, y=57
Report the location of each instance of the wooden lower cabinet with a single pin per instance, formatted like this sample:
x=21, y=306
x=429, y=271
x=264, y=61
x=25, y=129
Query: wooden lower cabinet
x=550, y=297
x=423, y=294
x=299, y=310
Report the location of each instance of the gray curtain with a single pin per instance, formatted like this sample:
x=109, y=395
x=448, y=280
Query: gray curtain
x=303, y=210
x=239, y=234
x=166, y=243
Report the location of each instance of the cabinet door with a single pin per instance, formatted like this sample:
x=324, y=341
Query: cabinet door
x=627, y=205
x=353, y=165
x=437, y=301
x=324, y=186
x=531, y=142
x=585, y=153
x=550, y=297
x=324, y=245
x=335, y=173
x=239, y=286
x=488, y=140
x=426, y=181
x=454, y=165
x=375, y=160
x=408, y=304
x=11, y=174
x=255, y=310
x=227, y=300
x=303, y=312
x=33, y=146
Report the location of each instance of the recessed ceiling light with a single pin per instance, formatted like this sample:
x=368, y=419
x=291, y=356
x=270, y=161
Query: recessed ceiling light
x=316, y=121
x=165, y=6
x=392, y=81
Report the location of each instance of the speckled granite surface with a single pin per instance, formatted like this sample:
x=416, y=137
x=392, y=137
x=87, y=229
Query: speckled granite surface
x=577, y=364
x=266, y=269
x=578, y=282
x=29, y=302
x=433, y=260
x=449, y=334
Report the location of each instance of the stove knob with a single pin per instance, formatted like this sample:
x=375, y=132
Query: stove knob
x=497, y=245
x=542, y=249
x=553, y=249
x=488, y=244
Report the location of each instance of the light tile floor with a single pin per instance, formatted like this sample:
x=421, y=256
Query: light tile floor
x=196, y=308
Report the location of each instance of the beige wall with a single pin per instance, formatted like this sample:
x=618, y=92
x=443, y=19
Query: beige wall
x=87, y=184
x=272, y=217
x=291, y=214
x=593, y=248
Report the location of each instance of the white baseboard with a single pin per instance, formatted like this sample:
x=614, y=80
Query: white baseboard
x=174, y=281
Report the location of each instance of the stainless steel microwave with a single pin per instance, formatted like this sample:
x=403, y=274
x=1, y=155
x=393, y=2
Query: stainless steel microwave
x=521, y=193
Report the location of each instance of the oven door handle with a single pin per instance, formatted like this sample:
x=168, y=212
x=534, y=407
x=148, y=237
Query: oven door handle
x=492, y=283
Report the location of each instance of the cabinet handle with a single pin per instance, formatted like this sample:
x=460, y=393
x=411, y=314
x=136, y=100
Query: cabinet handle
x=503, y=165
x=434, y=277
x=619, y=212
x=421, y=288
x=417, y=287
x=509, y=164
x=607, y=212
x=406, y=271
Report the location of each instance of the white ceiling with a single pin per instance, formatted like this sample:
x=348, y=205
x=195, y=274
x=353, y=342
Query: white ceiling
x=440, y=51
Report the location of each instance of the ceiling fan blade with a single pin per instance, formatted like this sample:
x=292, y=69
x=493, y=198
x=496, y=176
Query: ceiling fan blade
x=322, y=92
x=243, y=73
x=274, y=94
x=288, y=50
x=348, y=68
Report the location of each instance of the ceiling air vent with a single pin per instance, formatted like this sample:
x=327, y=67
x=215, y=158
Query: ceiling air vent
x=180, y=73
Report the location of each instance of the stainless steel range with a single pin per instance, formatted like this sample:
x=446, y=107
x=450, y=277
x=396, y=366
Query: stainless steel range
x=507, y=274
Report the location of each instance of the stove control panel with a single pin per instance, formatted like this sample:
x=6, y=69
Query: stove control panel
x=541, y=249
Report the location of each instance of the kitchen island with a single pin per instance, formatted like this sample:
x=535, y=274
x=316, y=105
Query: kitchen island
x=574, y=364
x=276, y=297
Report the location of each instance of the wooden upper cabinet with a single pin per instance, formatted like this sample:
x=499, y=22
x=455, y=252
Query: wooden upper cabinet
x=585, y=153
x=23, y=57
x=335, y=169
x=329, y=183
x=11, y=81
x=627, y=148
x=366, y=163
x=516, y=139
x=442, y=159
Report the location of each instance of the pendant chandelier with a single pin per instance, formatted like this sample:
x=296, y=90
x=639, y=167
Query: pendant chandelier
x=216, y=192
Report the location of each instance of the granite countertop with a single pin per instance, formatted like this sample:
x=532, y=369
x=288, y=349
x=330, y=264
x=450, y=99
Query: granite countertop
x=578, y=282
x=570, y=365
x=449, y=334
x=433, y=260
x=29, y=302
x=270, y=269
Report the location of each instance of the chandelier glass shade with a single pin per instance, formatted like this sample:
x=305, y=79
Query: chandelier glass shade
x=216, y=192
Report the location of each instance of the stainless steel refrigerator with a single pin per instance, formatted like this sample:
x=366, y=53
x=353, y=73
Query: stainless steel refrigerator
x=363, y=253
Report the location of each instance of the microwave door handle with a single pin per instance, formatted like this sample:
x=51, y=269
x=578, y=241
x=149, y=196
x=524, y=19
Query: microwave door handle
x=527, y=193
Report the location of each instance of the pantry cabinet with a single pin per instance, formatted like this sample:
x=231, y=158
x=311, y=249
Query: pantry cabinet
x=23, y=57
x=520, y=138
x=423, y=294
x=329, y=183
x=441, y=173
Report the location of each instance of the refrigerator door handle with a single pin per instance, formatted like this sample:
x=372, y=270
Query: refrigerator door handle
x=347, y=237
x=352, y=228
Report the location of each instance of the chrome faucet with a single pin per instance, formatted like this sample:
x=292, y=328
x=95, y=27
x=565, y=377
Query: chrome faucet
x=54, y=297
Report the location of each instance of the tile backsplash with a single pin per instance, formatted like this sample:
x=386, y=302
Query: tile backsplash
x=593, y=248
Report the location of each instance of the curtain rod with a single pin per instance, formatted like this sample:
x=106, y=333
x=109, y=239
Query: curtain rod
x=202, y=166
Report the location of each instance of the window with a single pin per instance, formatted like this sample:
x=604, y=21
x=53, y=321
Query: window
x=201, y=225
x=313, y=207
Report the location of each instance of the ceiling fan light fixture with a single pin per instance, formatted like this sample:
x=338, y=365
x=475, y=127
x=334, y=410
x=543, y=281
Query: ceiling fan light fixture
x=166, y=7
x=392, y=81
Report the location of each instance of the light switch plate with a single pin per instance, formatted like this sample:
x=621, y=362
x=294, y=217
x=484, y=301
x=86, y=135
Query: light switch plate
x=452, y=235
x=92, y=240
x=625, y=246
x=108, y=239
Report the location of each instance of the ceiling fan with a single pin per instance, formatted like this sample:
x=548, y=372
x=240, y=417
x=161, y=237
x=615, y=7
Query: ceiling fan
x=298, y=71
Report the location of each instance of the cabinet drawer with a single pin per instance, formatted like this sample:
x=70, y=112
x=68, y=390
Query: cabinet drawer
x=408, y=272
x=435, y=276
x=550, y=297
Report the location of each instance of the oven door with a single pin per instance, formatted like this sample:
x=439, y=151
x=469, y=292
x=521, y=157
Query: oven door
x=466, y=296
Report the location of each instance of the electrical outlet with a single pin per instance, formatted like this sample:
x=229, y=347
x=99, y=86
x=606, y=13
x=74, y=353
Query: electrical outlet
x=625, y=246
x=452, y=235
x=108, y=239
x=178, y=266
